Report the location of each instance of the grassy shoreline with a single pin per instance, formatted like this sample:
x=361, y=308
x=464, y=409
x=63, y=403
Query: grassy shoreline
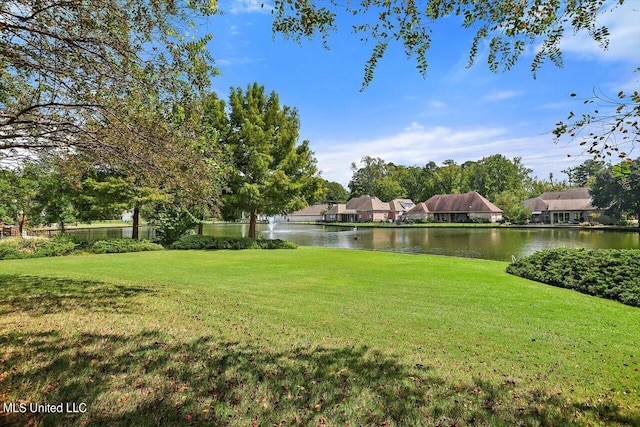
x=312, y=336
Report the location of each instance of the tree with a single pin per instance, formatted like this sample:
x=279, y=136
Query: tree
x=271, y=173
x=77, y=75
x=495, y=174
x=365, y=179
x=535, y=186
x=583, y=175
x=376, y=177
x=509, y=25
x=187, y=150
x=511, y=203
x=411, y=179
x=618, y=194
x=447, y=179
x=18, y=193
x=612, y=129
x=336, y=193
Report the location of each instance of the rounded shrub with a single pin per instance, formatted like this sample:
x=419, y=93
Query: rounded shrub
x=35, y=247
x=212, y=242
x=124, y=245
x=10, y=252
x=607, y=273
x=57, y=246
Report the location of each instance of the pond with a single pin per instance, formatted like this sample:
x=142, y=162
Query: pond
x=486, y=243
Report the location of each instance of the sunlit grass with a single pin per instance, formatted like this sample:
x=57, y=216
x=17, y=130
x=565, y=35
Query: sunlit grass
x=310, y=336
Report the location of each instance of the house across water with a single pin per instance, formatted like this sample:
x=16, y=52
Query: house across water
x=440, y=208
x=572, y=206
x=457, y=208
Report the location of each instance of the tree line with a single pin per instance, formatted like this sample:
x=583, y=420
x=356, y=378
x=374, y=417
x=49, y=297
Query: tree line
x=505, y=182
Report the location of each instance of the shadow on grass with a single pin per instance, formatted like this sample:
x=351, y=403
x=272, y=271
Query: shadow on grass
x=150, y=378
x=46, y=295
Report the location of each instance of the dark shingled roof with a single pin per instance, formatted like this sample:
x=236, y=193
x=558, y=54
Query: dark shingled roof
x=367, y=203
x=468, y=202
x=419, y=208
x=574, y=199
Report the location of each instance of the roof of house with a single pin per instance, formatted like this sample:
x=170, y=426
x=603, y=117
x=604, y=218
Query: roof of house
x=367, y=203
x=419, y=208
x=340, y=208
x=574, y=199
x=536, y=204
x=467, y=202
x=313, y=210
x=398, y=205
x=570, y=194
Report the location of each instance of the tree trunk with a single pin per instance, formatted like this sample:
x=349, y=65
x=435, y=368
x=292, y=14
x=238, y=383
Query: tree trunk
x=200, y=228
x=252, y=224
x=136, y=223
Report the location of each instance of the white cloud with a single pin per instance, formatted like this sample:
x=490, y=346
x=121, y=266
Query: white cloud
x=414, y=127
x=502, y=95
x=628, y=85
x=225, y=62
x=415, y=145
x=624, y=38
x=418, y=145
x=250, y=6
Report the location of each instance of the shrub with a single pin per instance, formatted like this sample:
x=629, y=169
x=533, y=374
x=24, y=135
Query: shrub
x=9, y=252
x=212, y=242
x=481, y=220
x=56, y=246
x=35, y=247
x=276, y=244
x=607, y=273
x=82, y=243
x=124, y=245
x=171, y=221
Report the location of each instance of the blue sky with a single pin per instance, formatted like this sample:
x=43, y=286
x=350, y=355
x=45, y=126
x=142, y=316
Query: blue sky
x=454, y=113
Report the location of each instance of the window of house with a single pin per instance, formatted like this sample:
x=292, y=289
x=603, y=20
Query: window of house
x=561, y=217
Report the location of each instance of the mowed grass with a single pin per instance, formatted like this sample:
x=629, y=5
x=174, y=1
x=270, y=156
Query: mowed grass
x=312, y=336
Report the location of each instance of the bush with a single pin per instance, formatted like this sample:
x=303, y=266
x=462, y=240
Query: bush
x=481, y=220
x=607, y=273
x=57, y=246
x=171, y=222
x=276, y=244
x=114, y=246
x=212, y=242
x=35, y=247
x=9, y=252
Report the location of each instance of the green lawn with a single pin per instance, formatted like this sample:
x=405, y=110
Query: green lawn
x=311, y=336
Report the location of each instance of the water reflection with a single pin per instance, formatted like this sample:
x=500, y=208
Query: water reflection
x=487, y=243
